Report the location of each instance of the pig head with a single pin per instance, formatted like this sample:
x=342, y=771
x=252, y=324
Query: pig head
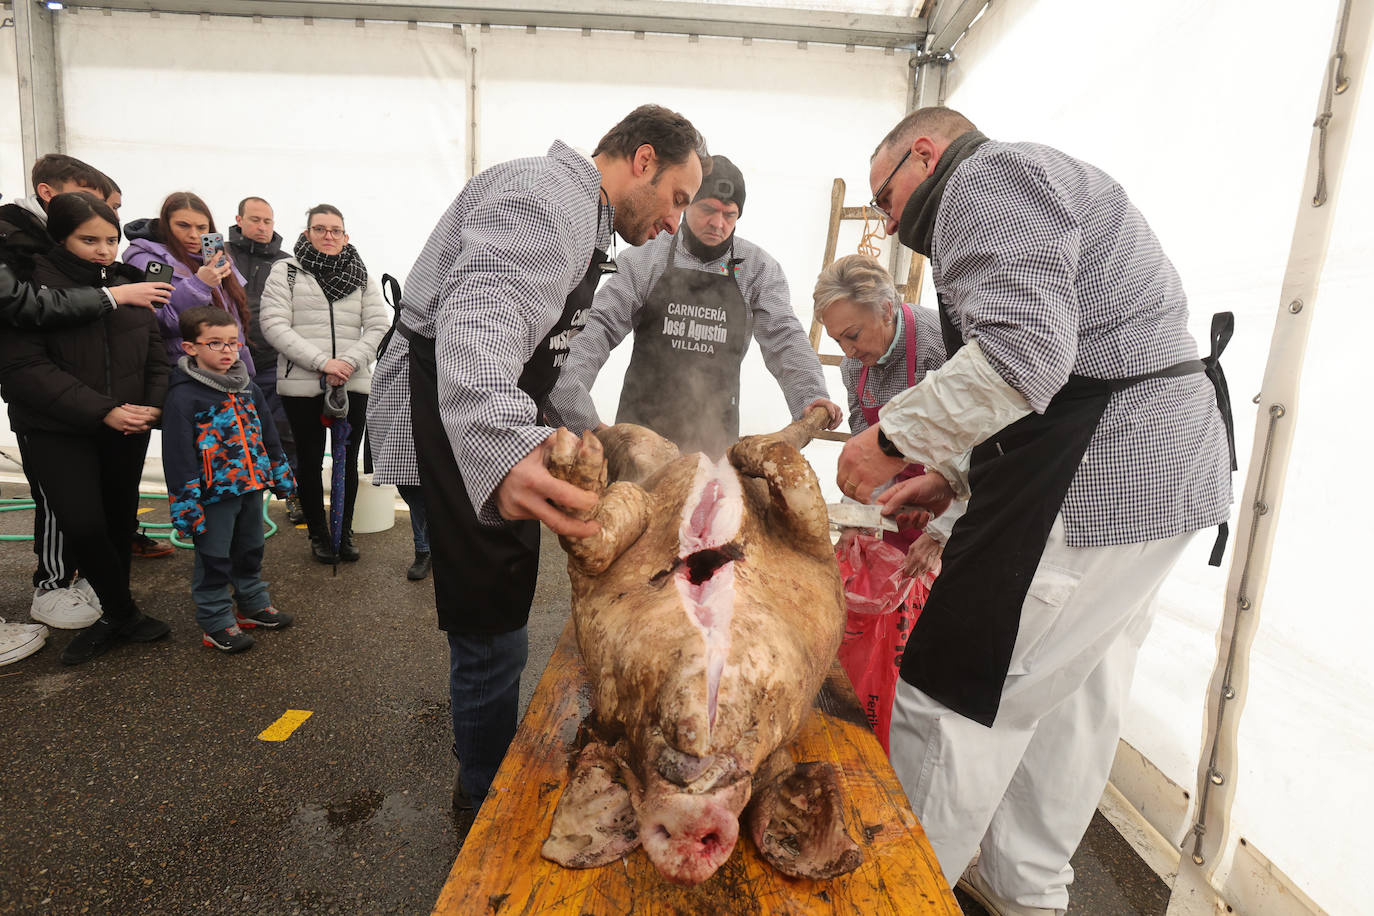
x=708, y=610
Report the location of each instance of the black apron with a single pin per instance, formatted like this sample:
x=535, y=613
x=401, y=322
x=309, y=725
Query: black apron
x=484, y=575
x=683, y=379
x=961, y=645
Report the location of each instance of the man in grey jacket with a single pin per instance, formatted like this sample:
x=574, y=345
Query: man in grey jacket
x=255, y=246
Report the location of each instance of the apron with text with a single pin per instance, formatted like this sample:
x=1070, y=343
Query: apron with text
x=683, y=378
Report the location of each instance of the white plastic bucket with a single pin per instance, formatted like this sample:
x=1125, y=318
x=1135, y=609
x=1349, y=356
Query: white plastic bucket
x=375, y=509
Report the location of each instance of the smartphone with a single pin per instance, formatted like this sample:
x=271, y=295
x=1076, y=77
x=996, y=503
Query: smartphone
x=211, y=246
x=157, y=272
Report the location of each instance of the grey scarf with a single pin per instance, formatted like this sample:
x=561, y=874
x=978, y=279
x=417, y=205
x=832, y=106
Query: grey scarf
x=917, y=224
x=234, y=379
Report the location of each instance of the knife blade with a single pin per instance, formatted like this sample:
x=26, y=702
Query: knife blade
x=857, y=515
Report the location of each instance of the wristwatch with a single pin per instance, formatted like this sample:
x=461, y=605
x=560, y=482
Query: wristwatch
x=886, y=447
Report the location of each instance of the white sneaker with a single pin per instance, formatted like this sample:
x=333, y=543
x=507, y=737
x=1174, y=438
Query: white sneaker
x=84, y=587
x=20, y=640
x=63, y=608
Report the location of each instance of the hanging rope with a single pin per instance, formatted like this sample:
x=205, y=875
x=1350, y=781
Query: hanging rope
x=1336, y=83
x=871, y=236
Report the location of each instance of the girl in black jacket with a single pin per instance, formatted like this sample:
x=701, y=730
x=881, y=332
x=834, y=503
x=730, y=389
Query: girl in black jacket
x=82, y=402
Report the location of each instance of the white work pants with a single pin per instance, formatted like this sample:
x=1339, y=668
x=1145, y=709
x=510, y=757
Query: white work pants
x=1024, y=790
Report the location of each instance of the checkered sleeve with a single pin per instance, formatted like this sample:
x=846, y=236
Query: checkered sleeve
x=785, y=348
x=503, y=293
x=1014, y=275
x=614, y=314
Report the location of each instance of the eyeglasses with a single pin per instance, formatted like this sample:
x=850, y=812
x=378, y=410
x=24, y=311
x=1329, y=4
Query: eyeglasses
x=883, y=187
x=327, y=232
x=219, y=345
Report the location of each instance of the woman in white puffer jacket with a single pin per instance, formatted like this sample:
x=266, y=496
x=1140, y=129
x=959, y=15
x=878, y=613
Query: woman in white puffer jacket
x=325, y=316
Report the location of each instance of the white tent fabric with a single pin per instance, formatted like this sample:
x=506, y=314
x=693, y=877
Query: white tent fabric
x=1191, y=104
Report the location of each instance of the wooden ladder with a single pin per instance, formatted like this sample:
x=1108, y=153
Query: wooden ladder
x=909, y=291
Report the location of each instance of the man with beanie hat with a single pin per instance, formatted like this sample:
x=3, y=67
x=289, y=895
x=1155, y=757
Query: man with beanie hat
x=693, y=303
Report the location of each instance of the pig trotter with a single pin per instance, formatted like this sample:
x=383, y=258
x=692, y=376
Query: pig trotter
x=797, y=822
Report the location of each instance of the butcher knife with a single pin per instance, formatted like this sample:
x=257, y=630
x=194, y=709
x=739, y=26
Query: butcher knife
x=857, y=515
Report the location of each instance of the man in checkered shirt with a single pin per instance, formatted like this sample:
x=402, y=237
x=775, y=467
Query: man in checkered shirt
x=488, y=311
x=1074, y=415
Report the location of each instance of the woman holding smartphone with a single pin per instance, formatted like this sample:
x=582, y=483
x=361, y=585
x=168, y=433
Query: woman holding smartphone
x=82, y=402
x=325, y=315
x=176, y=238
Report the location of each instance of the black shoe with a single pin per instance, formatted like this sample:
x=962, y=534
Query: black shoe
x=142, y=628
x=269, y=618
x=461, y=802
x=346, y=549
x=420, y=568
x=96, y=639
x=104, y=634
x=150, y=548
x=322, y=550
x=229, y=640
x=295, y=512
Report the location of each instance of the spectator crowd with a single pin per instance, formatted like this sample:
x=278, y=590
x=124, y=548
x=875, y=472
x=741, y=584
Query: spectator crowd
x=243, y=352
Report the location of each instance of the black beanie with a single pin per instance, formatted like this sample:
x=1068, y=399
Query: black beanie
x=725, y=183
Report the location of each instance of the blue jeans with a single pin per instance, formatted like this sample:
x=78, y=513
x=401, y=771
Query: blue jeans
x=229, y=553
x=484, y=696
x=419, y=523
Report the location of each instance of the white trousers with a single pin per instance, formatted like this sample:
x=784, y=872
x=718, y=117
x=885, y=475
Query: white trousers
x=1024, y=790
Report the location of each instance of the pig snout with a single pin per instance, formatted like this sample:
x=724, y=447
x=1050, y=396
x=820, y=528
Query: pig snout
x=688, y=837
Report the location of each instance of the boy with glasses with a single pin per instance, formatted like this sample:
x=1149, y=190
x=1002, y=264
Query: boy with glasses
x=220, y=450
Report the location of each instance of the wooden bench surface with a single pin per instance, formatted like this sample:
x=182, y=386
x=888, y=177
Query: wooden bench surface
x=500, y=871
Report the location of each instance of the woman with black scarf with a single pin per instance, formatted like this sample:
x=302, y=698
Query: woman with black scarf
x=325, y=316
x=82, y=403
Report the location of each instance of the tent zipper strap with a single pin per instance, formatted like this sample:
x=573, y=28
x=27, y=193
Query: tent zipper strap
x=1258, y=508
x=1336, y=83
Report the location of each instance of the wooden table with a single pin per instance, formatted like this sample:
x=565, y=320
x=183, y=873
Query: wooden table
x=499, y=870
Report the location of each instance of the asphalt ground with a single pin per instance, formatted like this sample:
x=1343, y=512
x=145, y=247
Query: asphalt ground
x=137, y=783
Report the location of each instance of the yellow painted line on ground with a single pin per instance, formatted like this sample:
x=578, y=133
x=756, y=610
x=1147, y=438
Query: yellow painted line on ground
x=145, y=509
x=281, y=729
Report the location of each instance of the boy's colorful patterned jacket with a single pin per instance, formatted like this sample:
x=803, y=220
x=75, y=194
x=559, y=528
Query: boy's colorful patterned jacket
x=218, y=441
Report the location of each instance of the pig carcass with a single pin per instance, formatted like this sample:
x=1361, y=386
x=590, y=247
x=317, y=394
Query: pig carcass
x=708, y=610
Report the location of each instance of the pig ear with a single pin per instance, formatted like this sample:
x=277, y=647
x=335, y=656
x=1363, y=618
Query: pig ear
x=594, y=823
x=797, y=822
x=634, y=453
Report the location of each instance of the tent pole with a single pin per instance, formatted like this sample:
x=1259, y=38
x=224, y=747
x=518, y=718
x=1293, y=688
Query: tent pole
x=1205, y=846
x=40, y=96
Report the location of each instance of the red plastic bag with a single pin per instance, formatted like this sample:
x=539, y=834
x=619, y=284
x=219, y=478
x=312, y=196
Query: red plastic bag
x=881, y=604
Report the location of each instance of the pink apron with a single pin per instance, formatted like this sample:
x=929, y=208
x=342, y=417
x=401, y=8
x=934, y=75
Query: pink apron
x=900, y=539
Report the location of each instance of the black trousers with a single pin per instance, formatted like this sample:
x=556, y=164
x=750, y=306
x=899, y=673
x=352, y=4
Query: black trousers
x=311, y=439
x=90, y=487
x=56, y=565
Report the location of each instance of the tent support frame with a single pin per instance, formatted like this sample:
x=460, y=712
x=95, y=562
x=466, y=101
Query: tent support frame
x=1206, y=844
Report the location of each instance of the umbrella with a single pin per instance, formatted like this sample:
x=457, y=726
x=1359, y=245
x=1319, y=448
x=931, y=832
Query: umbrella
x=335, y=417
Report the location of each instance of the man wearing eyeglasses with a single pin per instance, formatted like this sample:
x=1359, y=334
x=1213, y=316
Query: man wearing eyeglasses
x=1090, y=442
x=693, y=303
x=255, y=246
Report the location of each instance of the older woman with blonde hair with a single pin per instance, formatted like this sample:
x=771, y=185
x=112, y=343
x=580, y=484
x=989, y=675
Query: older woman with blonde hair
x=889, y=346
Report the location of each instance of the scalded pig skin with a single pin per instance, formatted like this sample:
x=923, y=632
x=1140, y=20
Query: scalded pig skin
x=646, y=654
